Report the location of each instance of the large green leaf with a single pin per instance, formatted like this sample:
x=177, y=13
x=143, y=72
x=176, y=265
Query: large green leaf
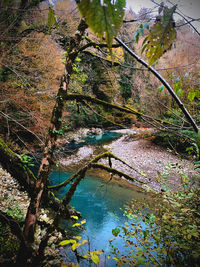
x=161, y=36
x=52, y=19
x=103, y=17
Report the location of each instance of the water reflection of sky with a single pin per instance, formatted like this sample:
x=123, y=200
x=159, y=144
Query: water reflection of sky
x=101, y=205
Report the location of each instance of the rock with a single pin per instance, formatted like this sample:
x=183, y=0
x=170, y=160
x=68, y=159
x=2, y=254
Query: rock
x=11, y=194
x=106, y=147
x=95, y=131
x=52, y=239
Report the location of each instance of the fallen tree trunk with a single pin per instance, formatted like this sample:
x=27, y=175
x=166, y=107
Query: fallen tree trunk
x=14, y=164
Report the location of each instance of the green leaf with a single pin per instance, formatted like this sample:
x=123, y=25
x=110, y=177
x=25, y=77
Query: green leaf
x=104, y=19
x=146, y=25
x=115, y=258
x=198, y=140
x=55, y=21
x=115, y=231
x=161, y=36
x=135, y=37
x=78, y=237
x=186, y=75
x=84, y=242
x=179, y=92
x=167, y=15
x=76, y=224
x=141, y=31
x=143, y=48
x=143, y=173
x=161, y=88
x=191, y=96
x=86, y=256
x=58, y=164
x=144, y=41
x=50, y=18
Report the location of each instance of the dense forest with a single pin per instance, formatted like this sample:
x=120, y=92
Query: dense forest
x=72, y=70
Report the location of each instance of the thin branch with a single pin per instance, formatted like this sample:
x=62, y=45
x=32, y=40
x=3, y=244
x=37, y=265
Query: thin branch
x=103, y=117
x=182, y=16
x=194, y=28
x=95, y=45
x=82, y=98
x=125, y=65
x=181, y=25
x=83, y=170
x=10, y=118
x=164, y=82
x=64, y=183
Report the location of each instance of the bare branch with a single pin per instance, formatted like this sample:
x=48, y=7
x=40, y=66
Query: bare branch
x=164, y=82
x=21, y=125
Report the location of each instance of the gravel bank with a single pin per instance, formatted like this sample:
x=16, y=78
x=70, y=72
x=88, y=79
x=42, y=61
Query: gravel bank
x=152, y=160
x=154, y=164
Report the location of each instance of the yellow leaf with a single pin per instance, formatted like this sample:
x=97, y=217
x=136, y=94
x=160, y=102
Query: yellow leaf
x=77, y=237
x=75, y=246
x=66, y=242
x=84, y=242
x=94, y=257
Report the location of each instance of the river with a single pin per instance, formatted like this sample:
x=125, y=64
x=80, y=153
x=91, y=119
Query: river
x=101, y=204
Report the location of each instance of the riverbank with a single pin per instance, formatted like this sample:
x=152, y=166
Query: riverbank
x=155, y=166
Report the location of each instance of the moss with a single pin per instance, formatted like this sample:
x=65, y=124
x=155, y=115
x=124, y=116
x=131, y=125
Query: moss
x=9, y=243
x=4, y=147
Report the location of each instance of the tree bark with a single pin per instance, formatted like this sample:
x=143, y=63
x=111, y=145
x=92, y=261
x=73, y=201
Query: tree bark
x=47, y=159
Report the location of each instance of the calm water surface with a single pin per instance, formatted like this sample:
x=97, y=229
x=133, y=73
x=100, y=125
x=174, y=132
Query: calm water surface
x=101, y=204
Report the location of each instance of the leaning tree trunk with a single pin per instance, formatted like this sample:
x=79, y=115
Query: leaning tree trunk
x=47, y=159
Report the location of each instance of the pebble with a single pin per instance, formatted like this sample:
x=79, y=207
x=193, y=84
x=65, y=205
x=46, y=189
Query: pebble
x=11, y=198
x=10, y=195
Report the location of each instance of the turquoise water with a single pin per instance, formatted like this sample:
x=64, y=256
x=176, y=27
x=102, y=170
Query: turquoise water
x=92, y=139
x=101, y=204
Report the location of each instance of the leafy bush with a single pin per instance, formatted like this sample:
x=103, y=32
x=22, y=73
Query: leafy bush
x=183, y=142
x=166, y=235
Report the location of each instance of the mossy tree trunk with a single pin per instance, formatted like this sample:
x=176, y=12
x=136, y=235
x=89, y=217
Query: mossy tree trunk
x=47, y=159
